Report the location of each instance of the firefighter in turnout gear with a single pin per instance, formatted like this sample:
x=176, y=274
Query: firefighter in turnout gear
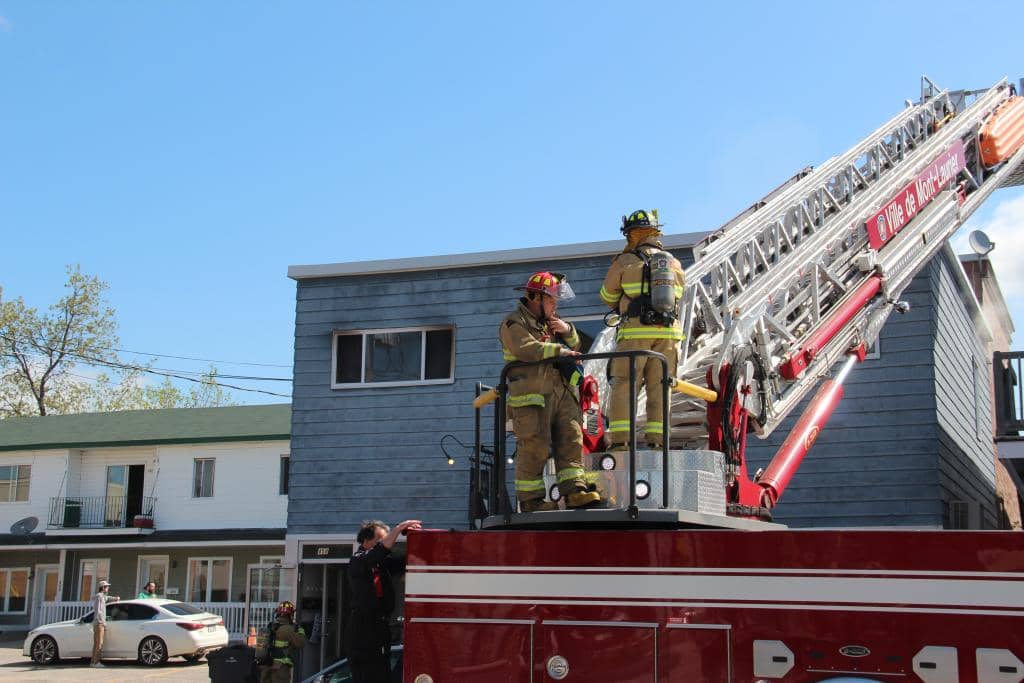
x=644, y=285
x=544, y=399
x=284, y=638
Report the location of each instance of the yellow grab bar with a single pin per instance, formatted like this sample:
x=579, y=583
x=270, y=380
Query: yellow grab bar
x=694, y=390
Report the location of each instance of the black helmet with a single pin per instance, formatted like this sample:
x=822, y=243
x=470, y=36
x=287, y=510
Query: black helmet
x=640, y=219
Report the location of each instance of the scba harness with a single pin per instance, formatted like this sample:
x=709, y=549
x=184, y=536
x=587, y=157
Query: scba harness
x=656, y=302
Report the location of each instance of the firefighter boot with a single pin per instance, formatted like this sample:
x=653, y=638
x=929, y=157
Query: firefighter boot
x=537, y=505
x=582, y=499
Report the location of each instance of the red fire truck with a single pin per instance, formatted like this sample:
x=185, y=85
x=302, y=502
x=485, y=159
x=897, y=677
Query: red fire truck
x=677, y=581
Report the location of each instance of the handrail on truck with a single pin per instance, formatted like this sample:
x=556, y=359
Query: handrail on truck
x=497, y=394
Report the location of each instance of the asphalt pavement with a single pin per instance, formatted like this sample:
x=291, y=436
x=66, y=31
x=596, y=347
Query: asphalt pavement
x=14, y=666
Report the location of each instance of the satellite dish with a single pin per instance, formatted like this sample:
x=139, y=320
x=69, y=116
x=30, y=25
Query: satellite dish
x=23, y=527
x=980, y=243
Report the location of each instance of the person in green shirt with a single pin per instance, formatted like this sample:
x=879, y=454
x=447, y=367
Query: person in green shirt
x=148, y=592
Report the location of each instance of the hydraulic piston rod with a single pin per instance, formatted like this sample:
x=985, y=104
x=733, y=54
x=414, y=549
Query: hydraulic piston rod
x=784, y=465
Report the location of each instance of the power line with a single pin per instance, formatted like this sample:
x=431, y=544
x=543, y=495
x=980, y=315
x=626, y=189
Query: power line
x=205, y=360
x=88, y=360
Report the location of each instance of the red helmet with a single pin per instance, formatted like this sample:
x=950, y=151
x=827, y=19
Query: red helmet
x=286, y=608
x=555, y=285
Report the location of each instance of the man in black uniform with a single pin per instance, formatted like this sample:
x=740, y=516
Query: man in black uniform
x=367, y=634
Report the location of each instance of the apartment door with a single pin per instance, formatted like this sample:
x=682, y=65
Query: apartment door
x=152, y=568
x=124, y=494
x=44, y=589
x=266, y=586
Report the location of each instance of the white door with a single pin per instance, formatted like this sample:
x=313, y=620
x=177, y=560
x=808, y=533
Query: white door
x=152, y=568
x=44, y=589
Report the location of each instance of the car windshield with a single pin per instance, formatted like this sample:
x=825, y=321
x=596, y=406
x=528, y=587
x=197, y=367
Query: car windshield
x=181, y=608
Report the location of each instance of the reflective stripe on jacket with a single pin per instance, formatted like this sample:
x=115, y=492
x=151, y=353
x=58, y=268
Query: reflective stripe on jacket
x=625, y=282
x=524, y=338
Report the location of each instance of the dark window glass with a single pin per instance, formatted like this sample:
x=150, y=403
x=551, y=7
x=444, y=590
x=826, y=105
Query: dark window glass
x=283, y=488
x=87, y=619
x=588, y=331
x=181, y=608
x=139, y=612
x=350, y=358
x=393, y=356
x=439, y=355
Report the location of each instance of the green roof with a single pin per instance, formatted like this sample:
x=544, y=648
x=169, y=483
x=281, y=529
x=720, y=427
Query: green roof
x=147, y=427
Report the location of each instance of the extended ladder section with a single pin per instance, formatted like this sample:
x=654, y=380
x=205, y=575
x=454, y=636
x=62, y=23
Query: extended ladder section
x=778, y=296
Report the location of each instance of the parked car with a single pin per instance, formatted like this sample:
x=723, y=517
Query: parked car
x=147, y=630
x=340, y=672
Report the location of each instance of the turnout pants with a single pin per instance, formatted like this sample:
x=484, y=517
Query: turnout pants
x=368, y=646
x=649, y=373
x=543, y=431
x=281, y=674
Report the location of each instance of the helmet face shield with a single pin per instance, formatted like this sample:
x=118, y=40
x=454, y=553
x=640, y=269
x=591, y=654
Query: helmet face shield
x=563, y=288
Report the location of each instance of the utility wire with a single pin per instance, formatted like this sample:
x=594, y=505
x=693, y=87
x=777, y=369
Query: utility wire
x=88, y=360
x=257, y=378
x=205, y=360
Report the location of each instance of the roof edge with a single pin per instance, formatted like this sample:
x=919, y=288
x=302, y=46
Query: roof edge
x=143, y=442
x=479, y=258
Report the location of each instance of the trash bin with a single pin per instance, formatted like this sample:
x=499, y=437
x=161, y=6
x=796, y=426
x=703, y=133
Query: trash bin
x=233, y=664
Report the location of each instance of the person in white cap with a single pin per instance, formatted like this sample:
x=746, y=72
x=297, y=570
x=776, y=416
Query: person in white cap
x=99, y=620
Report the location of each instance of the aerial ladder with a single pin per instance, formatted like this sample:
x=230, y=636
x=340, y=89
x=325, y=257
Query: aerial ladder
x=809, y=275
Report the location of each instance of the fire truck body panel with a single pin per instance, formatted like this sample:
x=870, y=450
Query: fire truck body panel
x=700, y=605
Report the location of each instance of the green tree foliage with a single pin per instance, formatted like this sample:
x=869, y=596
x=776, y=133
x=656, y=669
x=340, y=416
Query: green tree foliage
x=48, y=360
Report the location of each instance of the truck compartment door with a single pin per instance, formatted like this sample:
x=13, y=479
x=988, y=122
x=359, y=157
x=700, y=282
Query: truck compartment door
x=624, y=652
x=697, y=652
x=468, y=650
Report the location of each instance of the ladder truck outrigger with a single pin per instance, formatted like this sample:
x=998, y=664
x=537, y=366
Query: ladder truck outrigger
x=675, y=581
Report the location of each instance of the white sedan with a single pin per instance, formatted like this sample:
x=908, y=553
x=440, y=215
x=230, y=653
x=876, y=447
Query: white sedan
x=147, y=630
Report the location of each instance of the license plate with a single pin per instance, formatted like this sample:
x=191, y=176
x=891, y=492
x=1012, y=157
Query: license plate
x=211, y=628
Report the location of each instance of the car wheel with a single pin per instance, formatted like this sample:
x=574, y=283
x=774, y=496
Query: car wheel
x=192, y=659
x=44, y=650
x=152, y=651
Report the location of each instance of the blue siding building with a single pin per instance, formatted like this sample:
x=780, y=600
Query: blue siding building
x=912, y=435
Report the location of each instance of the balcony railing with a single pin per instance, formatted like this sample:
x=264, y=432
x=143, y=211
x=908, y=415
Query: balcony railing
x=98, y=512
x=1009, y=394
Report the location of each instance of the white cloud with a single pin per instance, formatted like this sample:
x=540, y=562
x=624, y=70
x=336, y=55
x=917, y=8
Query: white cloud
x=1005, y=227
x=5, y=25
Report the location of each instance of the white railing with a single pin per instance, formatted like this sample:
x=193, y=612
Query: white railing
x=49, y=612
x=233, y=614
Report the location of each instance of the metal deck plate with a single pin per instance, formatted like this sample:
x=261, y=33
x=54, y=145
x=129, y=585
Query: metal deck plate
x=617, y=518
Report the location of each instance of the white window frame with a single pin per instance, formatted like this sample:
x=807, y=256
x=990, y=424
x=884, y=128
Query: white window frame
x=139, y=583
x=192, y=484
x=284, y=456
x=271, y=559
x=874, y=351
x=97, y=577
x=12, y=488
x=209, y=584
x=5, y=597
x=363, y=384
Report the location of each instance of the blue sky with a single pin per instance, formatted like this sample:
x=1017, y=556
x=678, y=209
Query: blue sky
x=189, y=152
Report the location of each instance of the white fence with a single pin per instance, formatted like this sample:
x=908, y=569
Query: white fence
x=50, y=612
x=233, y=613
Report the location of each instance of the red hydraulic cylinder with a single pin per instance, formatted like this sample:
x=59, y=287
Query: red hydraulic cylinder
x=786, y=462
x=798, y=362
